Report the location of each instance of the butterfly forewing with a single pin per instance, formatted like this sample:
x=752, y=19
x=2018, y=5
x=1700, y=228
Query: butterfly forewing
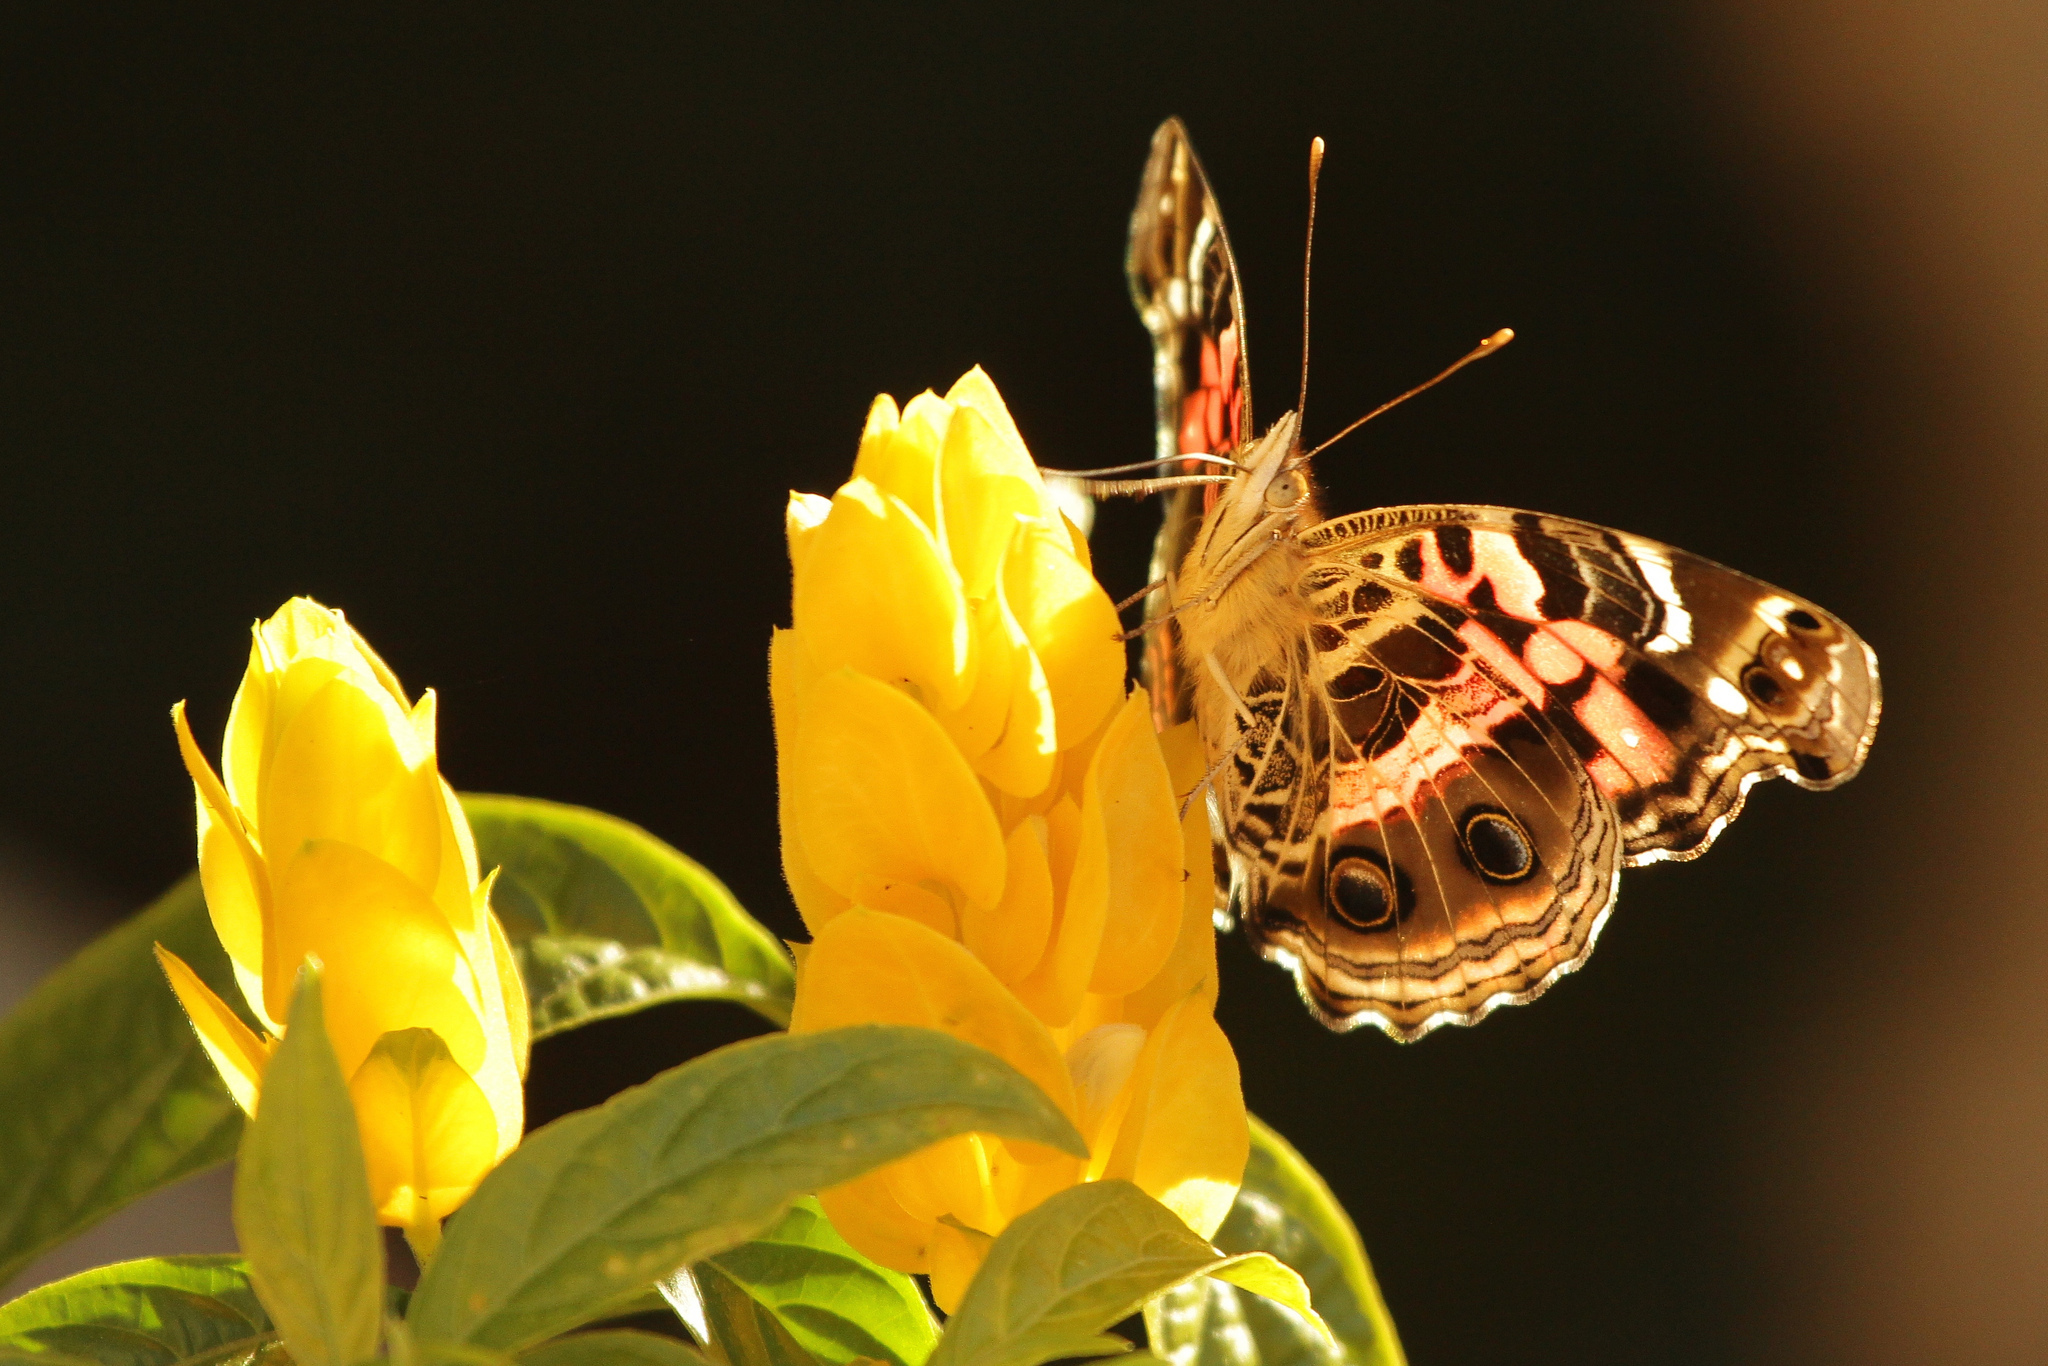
x=1184, y=282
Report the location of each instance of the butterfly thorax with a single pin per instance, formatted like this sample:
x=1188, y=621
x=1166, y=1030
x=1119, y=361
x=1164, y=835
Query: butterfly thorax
x=1241, y=612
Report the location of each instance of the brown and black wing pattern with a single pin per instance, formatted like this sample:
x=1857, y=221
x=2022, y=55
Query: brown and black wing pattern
x=1512, y=708
x=1411, y=836
x=1184, y=283
x=1679, y=682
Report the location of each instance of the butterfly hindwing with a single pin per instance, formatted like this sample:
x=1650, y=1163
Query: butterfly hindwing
x=1441, y=851
x=1501, y=710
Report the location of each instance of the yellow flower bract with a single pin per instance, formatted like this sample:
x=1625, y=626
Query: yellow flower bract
x=980, y=829
x=330, y=833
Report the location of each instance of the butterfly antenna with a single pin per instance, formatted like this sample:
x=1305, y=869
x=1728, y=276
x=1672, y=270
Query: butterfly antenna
x=1479, y=352
x=1308, y=251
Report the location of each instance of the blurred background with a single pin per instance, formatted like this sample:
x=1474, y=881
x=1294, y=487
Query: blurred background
x=508, y=330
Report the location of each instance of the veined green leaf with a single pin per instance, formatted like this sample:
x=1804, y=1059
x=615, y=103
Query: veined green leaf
x=1283, y=1208
x=599, y=1204
x=302, y=1199
x=803, y=1282
x=161, y=1311
x=738, y=1329
x=1087, y=1258
x=606, y=919
x=612, y=1347
x=105, y=1093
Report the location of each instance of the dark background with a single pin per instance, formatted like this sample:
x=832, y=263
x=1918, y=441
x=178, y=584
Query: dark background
x=508, y=330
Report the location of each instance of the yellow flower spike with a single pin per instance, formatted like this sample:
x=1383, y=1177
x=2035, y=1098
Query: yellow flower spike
x=1080, y=850
x=790, y=674
x=1001, y=859
x=1020, y=761
x=869, y=967
x=868, y=1216
x=903, y=459
x=888, y=811
x=807, y=511
x=237, y=1054
x=1191, y=968
x=1010, y=937
x=1071, y=624
x=1141, y=821
x=976, y=391
x=986, y=486
x=332, y=834
x=877, y=595
x=956, y=1254
x=429, y=1136
x=1185, y=1139
x=231, y=872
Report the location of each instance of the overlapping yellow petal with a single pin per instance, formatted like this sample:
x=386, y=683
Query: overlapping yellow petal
x=429, y=1136
x=981, y=831
x=333, y=837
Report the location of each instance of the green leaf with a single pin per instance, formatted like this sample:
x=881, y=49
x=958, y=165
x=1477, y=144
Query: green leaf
x=105, y=1093
x=600, y=1204
x=613, y=1347
x=1088, y=1258
x=804, y=1283
x=162, y=1311
x=1283, y=1208
x=302, y=1199
x=739, y=1329
x=606, y=919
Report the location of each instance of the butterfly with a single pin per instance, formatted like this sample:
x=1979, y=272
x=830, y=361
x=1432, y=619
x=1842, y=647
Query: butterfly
x=1438, y=733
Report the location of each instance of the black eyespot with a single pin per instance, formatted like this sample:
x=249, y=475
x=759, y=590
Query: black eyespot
x=1361, y=893
x=1802, y=619
x=1759, y=684
x=1497, y=846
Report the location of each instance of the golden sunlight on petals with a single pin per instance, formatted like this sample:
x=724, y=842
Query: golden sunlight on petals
x=390, y=958
x=867, y=967
x=790, y=674
x=1020, y=762
x=428, y=1132
x=1010, y=936
x=806, y=512
x=1190, y=968
x=867, y=1215
x=903, y=459
x=1006, y=860
x=237, y=1054
x=334, y=836
x=1185, y=1138
x=875, y=594
x=987, y=486
x=956, y=1254
x=1080, y=850
x=1071, y=624
x=1141, y=822
x=883, y=802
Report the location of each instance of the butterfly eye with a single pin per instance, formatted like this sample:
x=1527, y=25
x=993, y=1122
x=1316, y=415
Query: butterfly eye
x=1285, y=491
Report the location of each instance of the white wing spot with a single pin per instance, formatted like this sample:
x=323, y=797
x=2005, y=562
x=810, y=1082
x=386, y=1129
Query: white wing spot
x=1630, y=738
x=1794, y=670
x=1722, y=694
x=1677, y=632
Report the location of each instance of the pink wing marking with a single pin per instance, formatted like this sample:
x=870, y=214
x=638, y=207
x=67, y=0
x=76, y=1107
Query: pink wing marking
x=1635, y=752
